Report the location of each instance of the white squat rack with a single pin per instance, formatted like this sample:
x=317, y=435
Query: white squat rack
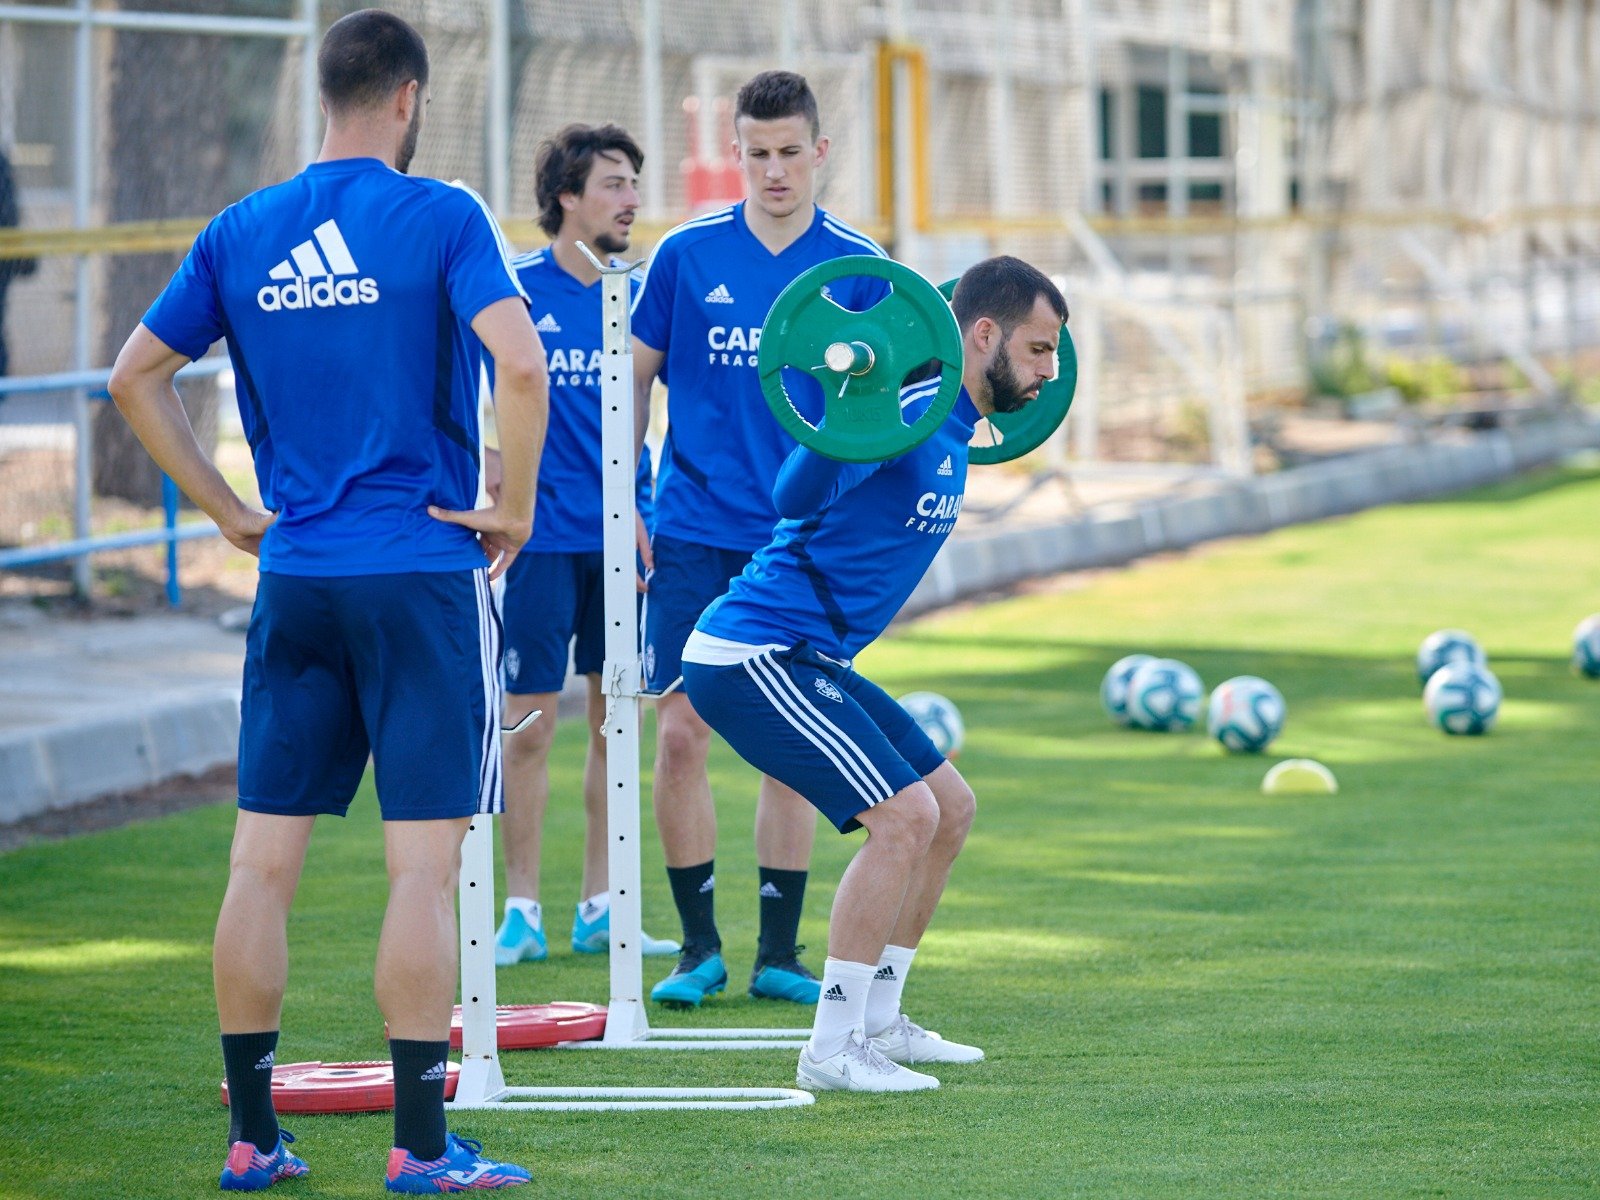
x=482, y=1084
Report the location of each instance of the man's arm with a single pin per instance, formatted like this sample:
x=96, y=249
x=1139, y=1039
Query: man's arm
x=647, y=362
x=141, y=386
x=646, y=366
x=522, y=411
x=808, y=482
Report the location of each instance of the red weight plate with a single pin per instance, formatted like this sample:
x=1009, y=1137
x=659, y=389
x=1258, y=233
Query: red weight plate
x=531, y=1026
x=339, y=1087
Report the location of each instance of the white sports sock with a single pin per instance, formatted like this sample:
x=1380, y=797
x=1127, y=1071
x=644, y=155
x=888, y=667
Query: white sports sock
x=528, y=908
x=595, y=907
x=889, y=980
x=842, y=1006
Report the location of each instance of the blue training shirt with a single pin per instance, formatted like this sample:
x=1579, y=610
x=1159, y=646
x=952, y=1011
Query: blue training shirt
x=346, y=296
x=707, y=290
x=836, y=576
x=567, y=518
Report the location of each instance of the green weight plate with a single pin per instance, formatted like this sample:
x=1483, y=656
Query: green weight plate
x=911, y=326
x=1030, y=428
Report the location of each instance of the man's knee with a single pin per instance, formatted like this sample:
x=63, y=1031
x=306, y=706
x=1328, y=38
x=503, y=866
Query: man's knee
x=909, y=819
x=682, y=738
x=531, y=744
x=957, y=808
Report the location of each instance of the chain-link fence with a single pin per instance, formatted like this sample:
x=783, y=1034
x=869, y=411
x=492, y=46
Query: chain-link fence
x=1384, y=202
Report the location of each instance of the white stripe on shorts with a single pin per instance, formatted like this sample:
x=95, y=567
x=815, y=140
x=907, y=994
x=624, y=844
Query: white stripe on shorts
x=803, y=703
x=490, y=796
x=836, y=745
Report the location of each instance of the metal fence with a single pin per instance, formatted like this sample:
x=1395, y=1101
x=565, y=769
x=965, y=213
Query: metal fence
x=1244, y=197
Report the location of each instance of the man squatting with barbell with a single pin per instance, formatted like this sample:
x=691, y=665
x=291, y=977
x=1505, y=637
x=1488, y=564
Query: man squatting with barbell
x=768, y=668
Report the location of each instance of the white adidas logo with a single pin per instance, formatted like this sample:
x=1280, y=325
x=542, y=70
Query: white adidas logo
x=434, y=1072
x=945, y=468
x=719, y=295
x=265, y=1062
x=709, y=885
x=330, y=270
x=770, y=891
x=548, y=324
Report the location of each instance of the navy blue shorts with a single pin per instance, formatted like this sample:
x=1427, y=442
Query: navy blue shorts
x=404, y=667
x=687, y=578
x=553, y=601
x=832, y=735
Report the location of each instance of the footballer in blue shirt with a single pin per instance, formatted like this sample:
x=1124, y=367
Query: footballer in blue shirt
x=697, y=327
x=768, y=667
x=587, y=188
x=354, y=300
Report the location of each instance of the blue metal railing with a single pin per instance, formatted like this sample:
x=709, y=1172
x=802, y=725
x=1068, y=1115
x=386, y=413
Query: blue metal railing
x=93, y=384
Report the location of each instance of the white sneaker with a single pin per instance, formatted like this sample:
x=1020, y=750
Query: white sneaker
x=907, y=1042
x=859, y=1067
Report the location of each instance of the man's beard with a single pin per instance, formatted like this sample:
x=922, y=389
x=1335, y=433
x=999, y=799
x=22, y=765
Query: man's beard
x=408, y=148
x=611, y=243
x=1005, y=393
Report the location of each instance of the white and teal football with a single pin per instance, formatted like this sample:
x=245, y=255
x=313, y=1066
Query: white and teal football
x=1463, y=697
x=1245, y=714
x=939, y=719
x=1586, y=647
x=1447, y=646
x=1164, y=695
x=1114, y=687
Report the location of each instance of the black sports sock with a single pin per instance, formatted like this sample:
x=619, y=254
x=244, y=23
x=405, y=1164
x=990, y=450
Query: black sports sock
x=782, y=895
x=694, y=891
x=247, y=1063
x=419, y=1096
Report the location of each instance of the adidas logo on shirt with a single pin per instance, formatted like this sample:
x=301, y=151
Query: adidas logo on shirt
x=945, y=468
x=265, y=1063
x=885, y=972
x=548, y=324
x=434, y=1072
x=317, y=280
x=834, y=993
x=769, y=891
x=719, y=295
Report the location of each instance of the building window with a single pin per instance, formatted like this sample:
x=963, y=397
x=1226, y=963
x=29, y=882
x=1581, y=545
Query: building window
x=1152, y=118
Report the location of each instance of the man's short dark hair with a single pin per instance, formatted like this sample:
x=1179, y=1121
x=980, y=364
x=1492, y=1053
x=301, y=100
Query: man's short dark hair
x=564, y=161
x=366, y=57
x=1004, y=289
x=774, y=95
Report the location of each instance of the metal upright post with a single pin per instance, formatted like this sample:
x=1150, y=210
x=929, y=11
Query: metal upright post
x=626, y=1020
x=498, y=169
x=82, y=318
x=655, y=201
x=481, y=1077
x=310, y=106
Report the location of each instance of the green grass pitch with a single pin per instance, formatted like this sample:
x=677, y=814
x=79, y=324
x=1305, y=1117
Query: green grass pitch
x=1186, y=988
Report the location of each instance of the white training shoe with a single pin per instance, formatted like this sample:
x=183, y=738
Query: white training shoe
x=859, y=1067
x=907, y=1042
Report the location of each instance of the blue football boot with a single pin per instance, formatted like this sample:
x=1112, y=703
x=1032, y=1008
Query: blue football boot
x=249, y=1170
x=518, y=940
x=462, y=1168
x=698, y=974
x=594, y=937
x=784, y=979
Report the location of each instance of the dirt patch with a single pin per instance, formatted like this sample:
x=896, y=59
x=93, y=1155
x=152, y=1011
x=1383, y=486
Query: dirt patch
x=179, y=794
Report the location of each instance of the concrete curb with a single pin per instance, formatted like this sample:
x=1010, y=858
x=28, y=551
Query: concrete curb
x=73, y=762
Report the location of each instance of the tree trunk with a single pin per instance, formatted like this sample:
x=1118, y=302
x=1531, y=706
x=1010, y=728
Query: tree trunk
x=166, y=156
